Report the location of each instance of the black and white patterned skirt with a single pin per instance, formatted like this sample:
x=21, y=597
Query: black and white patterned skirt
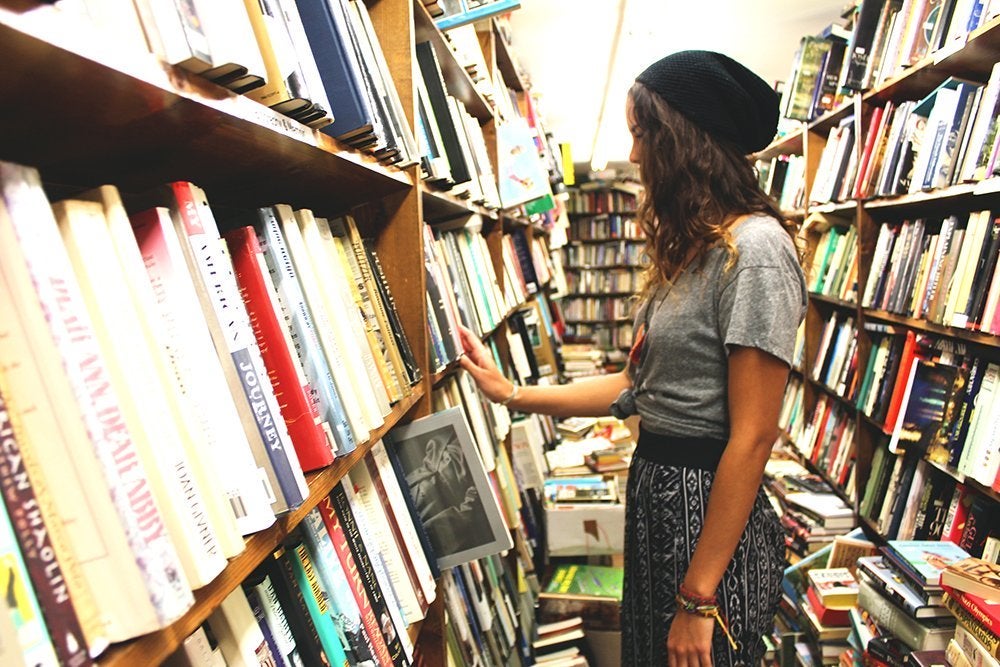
x=664, y=516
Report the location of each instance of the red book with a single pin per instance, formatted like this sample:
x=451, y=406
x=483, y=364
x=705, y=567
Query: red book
x=368, y=613
x=826, y=616
x=986, y=612
x=866, y=154
x=310, y=442
x=906, y=361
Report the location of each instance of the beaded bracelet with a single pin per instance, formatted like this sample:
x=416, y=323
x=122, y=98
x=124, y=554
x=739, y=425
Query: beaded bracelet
x=706, y=608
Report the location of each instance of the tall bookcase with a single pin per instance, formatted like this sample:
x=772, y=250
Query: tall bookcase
x=83, y=121
x=603, y=263
x=860, y=221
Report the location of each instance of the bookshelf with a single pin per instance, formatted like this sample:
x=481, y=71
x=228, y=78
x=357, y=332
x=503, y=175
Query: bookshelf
x=84, y=118
x=970, y=58
x=603, y=262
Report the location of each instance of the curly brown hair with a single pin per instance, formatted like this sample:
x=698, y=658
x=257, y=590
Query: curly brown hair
x=694, y=188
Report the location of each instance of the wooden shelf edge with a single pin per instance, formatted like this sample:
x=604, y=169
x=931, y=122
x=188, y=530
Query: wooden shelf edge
x=631, y=239
x=456, y=78
x=506, y=63
x=154, y=648
x=442, y=207
x=789, y=144
x=833, y=301
x=595, y=214
x=967, y=335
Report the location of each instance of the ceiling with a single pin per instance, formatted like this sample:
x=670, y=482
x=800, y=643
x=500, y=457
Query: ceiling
x=565, y=47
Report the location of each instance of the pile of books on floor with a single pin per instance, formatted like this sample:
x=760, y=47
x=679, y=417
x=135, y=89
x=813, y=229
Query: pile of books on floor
x=588, y=598
x=581, y=360
x=812, y=514
x=908, y=603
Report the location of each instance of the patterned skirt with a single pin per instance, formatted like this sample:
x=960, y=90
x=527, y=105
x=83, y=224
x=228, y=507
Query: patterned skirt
x=664, y=515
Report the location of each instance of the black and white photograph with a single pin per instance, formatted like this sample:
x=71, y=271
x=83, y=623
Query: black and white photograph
x=449, y=487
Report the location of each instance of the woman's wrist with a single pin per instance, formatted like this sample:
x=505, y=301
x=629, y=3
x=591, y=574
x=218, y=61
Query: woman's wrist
x=510, y=397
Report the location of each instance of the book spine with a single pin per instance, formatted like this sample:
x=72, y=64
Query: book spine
x=307, y=344
x=317, y=604
x=991, y=624
x=894, y=620
x=277, y=621
x=199, y=372
x=350, y=600
x=260, y=616
x=307, y=437
x=74, y=337
x=973, y=626
x=216, y=272
x=292, y=601
x=37, y=550
x=347, y=536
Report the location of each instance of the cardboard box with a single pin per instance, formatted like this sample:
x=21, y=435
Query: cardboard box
x=584, y=529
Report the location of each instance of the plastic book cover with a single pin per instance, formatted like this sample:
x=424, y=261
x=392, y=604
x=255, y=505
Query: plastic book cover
x=926, y=559
x=590, y=580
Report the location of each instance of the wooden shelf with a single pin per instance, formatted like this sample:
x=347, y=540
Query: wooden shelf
x=571, y=295
x=506, y=62
x=444, y=207
x=152, y=649
x=835, y=207
x=790, y=144
x=443, y=374
x=595, y=214
x=591, y=267
x=629, y=239
x=822, y=124
x=985, y=194
x=155, y=124
x=957, y=333
x=610, y=322
x=845, y=402
x=456, y=78
x=973, y=60
x=833, y=301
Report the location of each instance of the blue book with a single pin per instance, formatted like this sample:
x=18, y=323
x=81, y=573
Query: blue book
x=327, y=32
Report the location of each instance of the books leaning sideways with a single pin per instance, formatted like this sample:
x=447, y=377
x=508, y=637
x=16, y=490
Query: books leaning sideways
x=592, y=592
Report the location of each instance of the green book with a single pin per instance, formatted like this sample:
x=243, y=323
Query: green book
x=592, y=580
x=318, y=604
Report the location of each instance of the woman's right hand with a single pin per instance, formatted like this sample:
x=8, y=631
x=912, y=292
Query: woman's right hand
x=479, y=363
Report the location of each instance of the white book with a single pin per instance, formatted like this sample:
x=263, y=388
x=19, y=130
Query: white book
x=278, y=623
x=979, y=425
x=238, y=633
x=987, y=458
x=136, y=381
x=367, y=500
x=195, y=225
x=200, y=374
x=961, y=283
x=392, y=603
x=330, y=342
x=302, y=331
x=196, y=651
x=330, y=270
x=379, y=464
x=230, y=38
x=177, y=37
x=316, y=93
x=183, y=413
x=72, y=332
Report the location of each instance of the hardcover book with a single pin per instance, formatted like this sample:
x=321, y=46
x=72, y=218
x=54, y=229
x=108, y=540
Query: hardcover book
x=446, y=479
x=973, y=575
x=924, y=560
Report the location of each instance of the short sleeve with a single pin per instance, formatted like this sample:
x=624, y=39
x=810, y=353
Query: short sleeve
x=761, y=307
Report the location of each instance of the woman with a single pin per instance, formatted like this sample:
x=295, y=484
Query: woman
x=715, y=332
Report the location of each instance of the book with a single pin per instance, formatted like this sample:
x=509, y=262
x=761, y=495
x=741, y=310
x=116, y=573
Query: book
x=973, y=575
x=360, y=635
x=924, y=560
x=318, y=606
x=291, y=598
x=239, y=636
x=302, y=329
x=39, y=533
x=898, y=588
x=449, y=487
x=131, y=366
x=287, y=380
x=917, y=635
x=193, y=421
x=346, y=535
x=64, y=343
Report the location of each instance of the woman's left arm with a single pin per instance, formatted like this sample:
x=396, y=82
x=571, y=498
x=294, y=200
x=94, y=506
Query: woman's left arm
x=756, y=386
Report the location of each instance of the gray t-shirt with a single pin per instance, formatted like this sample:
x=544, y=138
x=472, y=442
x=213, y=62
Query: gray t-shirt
x=680, y=388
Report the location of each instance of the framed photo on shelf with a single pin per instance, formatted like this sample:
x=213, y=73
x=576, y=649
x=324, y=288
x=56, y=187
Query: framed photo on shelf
x=450, y=489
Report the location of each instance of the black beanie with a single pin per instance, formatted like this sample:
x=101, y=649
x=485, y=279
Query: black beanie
x=717, y=94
